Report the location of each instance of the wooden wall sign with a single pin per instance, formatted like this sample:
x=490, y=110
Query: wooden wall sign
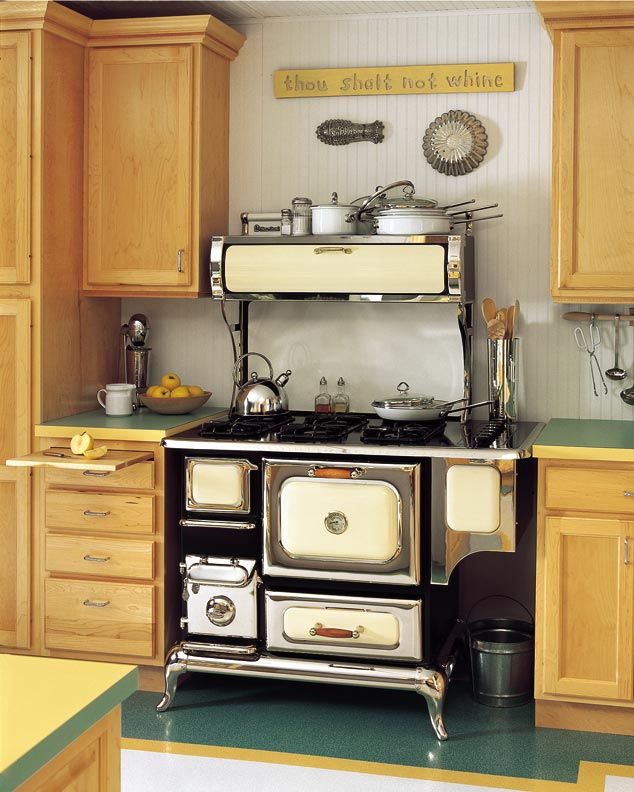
x=381, y=80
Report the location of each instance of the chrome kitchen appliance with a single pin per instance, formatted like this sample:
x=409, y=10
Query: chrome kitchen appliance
x=136, y=354
x=347, y=527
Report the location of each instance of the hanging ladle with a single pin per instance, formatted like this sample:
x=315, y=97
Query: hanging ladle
x=616, y=372
x=628, y=395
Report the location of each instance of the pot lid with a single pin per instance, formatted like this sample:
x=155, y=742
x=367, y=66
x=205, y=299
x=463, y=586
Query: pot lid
x=405, y=202
x=334, y=203
x=405, y=400
x=403, y=211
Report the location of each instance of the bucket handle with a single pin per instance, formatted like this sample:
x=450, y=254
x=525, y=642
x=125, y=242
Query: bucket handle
x=499, y=596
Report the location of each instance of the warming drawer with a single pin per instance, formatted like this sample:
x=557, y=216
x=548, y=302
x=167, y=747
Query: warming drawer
x=362, y=626
x=218, y=485
x=342, y=522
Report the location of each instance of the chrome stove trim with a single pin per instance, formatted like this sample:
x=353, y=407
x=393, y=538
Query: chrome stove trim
x=223, y=524
x=195, y=444
x=427, y=681
x=402, y=569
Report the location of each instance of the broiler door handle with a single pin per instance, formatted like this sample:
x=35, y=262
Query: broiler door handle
x=334, y=632
x=315, y=471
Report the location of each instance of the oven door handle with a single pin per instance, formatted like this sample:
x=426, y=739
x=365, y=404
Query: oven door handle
x=334, y=632
x=318, y=471
x=233, y=564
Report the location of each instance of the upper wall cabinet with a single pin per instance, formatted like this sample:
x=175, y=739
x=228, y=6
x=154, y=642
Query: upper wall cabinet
x=593, y=151
x=157, y=148
x=15, y=143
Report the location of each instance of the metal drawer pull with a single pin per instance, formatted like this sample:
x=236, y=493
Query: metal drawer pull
x=345, y=250
x=334, y=632
x=96, y=604
x=335, y=473
x=97, y=473
x=628, y=494
x=626, y=551
x=89, y=513
x=179, y=260
x=96, y=559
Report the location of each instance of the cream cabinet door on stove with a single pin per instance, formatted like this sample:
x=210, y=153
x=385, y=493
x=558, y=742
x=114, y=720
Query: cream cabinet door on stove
x=218, y=485
x=345, y=522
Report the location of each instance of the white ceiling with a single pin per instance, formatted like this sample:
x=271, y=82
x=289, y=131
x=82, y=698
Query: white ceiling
x=235, y=10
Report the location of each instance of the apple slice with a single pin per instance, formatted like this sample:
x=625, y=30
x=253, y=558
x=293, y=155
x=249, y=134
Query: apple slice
x=96, y=453
x=80, y=443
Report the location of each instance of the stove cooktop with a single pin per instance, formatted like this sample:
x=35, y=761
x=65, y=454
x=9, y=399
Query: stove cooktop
x=359, y=433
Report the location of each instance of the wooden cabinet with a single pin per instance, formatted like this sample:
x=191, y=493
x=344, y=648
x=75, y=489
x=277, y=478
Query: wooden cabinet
x=15, y=151
x=15, y=438
x=585, y=595
x=157, y=154
x=593, y=156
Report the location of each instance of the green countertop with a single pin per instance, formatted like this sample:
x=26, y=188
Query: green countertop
x=569, y=438
x=144, y=425
x=47, y=703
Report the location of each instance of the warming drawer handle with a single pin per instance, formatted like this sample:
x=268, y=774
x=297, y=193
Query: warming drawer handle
x=335, y=473
x=96, y=559
x=334, y=632
x=332, y=249
x=89, y=513
x=96, y=603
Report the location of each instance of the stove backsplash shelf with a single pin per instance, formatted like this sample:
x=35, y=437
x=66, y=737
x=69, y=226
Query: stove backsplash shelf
x=423, y=269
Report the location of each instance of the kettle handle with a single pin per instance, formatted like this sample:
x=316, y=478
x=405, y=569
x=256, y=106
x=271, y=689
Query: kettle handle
x=236, y=366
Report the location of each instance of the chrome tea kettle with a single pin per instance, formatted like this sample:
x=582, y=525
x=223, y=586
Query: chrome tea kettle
x=260, y=396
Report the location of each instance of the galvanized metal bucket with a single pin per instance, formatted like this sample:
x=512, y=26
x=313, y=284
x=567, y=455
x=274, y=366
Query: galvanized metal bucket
x=502, y=659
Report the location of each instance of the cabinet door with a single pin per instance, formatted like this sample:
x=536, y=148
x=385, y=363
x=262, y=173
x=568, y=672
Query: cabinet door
x=593, y=166
x=15, y=101
x=15, y=430
x=588, y=607
x=139, y=169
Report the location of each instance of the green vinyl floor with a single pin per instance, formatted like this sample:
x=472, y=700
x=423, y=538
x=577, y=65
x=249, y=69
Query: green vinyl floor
x=368, y=725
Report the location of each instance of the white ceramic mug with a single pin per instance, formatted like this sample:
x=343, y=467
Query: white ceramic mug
x=118, y=399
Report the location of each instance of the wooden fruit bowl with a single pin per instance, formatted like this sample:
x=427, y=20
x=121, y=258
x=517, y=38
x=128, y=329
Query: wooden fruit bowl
x=170, y=406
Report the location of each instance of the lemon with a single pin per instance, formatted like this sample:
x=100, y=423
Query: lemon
x=96, y=453
x=171, y=381
x=80, y=443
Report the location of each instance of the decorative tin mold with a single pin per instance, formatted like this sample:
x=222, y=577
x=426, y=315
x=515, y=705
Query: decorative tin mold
x=455, y=143
x=339, y=132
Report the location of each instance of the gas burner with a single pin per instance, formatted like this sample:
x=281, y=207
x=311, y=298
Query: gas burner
x=244, y=427
x=403, y=433
x=322, y=426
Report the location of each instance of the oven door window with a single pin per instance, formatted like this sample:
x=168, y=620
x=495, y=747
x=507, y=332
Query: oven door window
x=340, y=520
x=218, y=485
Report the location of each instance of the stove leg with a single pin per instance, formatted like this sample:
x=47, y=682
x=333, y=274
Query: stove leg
x=175, y=665
x=432, y=685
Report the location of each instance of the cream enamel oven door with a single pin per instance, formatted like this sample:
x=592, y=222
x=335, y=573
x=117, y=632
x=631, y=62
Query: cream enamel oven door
x=361, y=626
x=357, y=522
x=345, y=268
x=217, y=485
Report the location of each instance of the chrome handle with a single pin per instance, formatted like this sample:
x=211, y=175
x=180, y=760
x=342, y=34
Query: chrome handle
x=89, y=513
x=97, y=473
x=95, y=604
x=332, y=249
x=628, y=494
x=626, y=551
x=96, y=559
x=179, y=264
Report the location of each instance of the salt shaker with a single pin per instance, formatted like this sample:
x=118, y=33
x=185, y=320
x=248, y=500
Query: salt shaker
x=301, y=216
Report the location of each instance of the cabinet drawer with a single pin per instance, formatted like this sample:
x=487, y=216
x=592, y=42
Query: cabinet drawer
x=91, y=616
x=139, y=476
x=590, y=489
x=99, y=511
x=97, y=557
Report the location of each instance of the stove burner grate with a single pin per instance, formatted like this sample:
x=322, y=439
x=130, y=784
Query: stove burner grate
x=244, y=427
x=488, y=434
x=322, y=426
x=403, y=433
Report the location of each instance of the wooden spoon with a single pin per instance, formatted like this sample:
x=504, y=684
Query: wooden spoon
x=488, y=309
x=496, y=329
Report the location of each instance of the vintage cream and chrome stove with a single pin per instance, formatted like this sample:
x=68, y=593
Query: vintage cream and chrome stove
x=321, y=547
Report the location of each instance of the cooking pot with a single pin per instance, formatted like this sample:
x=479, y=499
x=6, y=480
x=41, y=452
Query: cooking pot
x=406, y=221
x=412, y=407
x=258, y=395
x=334, y=218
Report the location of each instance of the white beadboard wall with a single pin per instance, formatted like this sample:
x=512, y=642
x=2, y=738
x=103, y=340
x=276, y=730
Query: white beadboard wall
x=275, y=156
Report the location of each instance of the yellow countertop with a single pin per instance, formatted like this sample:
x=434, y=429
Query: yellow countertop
x=47, y=703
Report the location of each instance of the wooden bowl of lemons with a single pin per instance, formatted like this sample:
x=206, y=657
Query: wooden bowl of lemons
x=171, y=397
